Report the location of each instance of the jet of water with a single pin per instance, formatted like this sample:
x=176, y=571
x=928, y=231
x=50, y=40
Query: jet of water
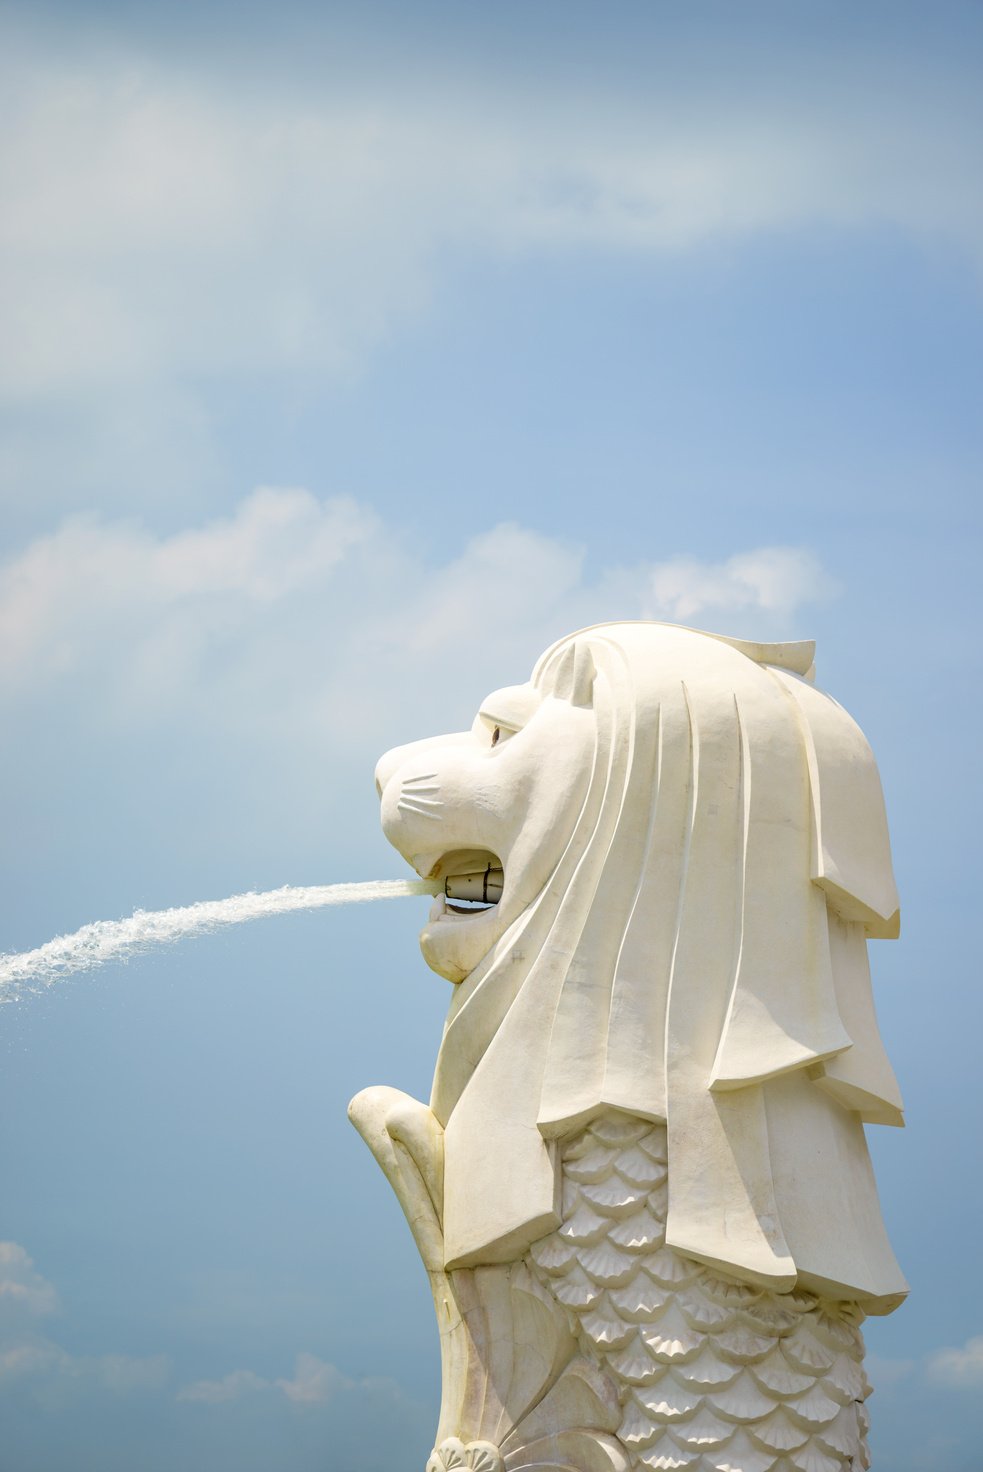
x=112, y=940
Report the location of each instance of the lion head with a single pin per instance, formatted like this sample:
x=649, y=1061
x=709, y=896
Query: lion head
x=690, y=851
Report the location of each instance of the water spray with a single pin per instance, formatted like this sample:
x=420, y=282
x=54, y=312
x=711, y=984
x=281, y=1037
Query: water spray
x=114, y=940
x=117, y=940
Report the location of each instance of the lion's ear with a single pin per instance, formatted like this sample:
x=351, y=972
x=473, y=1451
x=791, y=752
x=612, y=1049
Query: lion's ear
x=575, y=675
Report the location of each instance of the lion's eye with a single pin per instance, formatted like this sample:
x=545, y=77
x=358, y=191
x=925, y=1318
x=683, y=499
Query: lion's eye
x=496, y=732
x=505, y=713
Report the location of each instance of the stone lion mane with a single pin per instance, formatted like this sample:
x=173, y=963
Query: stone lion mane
x=697, y=957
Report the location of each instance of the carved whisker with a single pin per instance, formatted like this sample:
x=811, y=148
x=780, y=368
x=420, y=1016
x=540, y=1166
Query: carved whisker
x=423, y=808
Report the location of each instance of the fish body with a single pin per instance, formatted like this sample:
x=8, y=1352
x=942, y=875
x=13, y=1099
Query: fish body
x=711, y=1374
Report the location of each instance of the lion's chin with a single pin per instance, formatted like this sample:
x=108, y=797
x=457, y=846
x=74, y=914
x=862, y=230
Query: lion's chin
x=454, y=941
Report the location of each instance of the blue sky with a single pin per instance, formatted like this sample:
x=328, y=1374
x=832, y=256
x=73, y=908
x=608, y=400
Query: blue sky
x=352, y=354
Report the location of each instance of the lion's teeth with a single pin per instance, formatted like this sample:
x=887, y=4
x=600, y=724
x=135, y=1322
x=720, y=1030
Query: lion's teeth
x=438, y=908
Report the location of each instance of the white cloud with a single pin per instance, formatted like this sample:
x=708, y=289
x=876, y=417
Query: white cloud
x=277, y=543
x=160, y=221
x=314, y=1381
x=297, y=605
x=74, y=595
x=38, y=1360
x=26, y=1358
x=234, y=1386
x=29, y=1357
x=959, y=1369
x=774, y=580
x=22, y=1288
x=883, y=1371
x=120, y=1374
x=508, y=578
x=221, y=692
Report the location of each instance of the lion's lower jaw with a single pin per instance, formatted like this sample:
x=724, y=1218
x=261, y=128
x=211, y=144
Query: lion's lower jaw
x=711, y=1375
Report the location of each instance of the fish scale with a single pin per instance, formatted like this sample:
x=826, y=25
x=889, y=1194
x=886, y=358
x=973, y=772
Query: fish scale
x=713, y=1375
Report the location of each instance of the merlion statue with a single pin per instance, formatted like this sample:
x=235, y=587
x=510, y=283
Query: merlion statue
x=642, y=1188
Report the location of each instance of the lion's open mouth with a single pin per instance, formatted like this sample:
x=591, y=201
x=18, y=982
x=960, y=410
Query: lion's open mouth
x=474, y=878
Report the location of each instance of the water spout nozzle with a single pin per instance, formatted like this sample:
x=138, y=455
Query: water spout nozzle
x=485, y=886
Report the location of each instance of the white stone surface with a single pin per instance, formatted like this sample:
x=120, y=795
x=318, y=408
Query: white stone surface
x=644, y=1150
